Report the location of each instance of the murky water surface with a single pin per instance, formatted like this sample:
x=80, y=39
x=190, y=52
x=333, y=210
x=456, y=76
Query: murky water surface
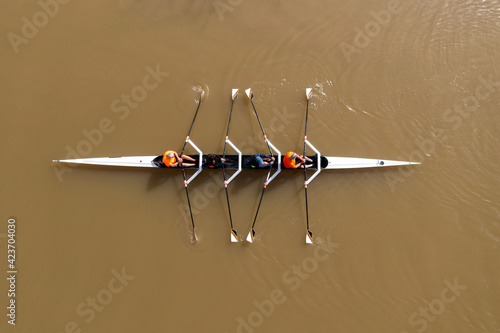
x=109, y=250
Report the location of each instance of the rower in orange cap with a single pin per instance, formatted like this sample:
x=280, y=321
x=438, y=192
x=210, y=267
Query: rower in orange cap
x=293, y=161
x=172, y=160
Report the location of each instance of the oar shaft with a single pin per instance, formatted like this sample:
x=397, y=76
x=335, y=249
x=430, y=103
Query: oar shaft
x=258, y=207
x=262, y=128
x=233, y=232
x=227, y=197
x=268, y=147
x=190, y=129
x=307, y=208
x=228, y=205
x=187, y=195
x=227, y=132
x=304, y=165
x=270, y=167
x=182, y=165
x=305, y=132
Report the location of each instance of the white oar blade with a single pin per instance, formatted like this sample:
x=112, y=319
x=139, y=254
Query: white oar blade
x=194, y=235
x=249, y=93
x=308, y=93
x=250, y=236
x=309, y=237
x=234, y=236
x=202, y=94
x=234, y=94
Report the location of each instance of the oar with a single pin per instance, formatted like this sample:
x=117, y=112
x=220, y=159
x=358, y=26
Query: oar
x=182, y=165
x=192, y=123
x=251, y=234
x=309, y=235
x=234, y=234
x=250, y=95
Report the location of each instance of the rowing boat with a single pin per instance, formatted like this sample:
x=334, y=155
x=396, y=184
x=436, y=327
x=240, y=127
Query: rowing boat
x=238, y=162
x=332, y=162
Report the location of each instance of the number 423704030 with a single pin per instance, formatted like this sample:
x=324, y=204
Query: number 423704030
x=11, y=249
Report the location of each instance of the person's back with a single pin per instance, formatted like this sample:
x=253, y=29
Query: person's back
x=172, y=160
x=169, y=158
x=289, y=160
x=293, y=161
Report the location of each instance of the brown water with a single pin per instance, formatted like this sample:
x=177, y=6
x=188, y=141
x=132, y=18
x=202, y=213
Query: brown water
x=401, y=250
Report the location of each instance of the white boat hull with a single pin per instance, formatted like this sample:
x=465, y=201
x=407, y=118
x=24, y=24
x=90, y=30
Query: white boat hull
x=360, y=163
x=122, y=161
x=334, y=163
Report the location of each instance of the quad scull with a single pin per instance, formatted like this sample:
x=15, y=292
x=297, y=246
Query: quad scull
x=241, y=162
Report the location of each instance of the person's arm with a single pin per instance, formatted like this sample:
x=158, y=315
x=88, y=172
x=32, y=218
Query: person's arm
x=179, y=160
x=174, y=165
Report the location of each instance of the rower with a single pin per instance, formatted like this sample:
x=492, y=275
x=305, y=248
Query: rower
x=214, y=161
x=261, y=161
x=293, y=161
x=172, y=160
